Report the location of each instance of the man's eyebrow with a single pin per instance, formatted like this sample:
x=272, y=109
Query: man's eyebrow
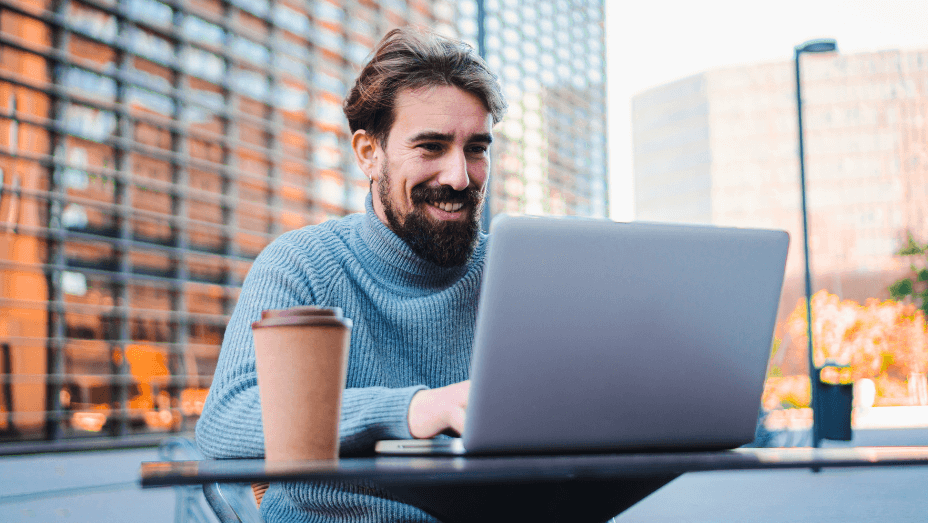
x=432, y=135
x=447, y=137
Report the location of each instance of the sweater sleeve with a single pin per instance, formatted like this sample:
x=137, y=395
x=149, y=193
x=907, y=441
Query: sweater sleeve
x=230, y=425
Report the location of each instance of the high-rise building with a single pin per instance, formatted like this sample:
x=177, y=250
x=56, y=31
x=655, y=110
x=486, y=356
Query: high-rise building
x=721, y=147
x=550, y=150
x=149, y=150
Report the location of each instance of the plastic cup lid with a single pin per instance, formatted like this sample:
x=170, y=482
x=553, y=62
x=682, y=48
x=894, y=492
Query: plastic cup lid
x=303, y=315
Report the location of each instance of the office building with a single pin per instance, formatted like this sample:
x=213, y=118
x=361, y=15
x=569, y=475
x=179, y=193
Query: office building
x=721, y=147
x=550, y=153
x=149, y=150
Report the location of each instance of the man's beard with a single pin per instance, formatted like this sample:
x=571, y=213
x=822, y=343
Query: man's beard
x=446, y=243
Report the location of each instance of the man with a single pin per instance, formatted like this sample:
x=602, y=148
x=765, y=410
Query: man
x=407, y=272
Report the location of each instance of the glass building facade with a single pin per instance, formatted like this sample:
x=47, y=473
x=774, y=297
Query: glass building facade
x=550, y=150
x=149, y=150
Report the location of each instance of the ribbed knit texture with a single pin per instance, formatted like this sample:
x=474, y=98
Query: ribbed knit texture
x=413, y=329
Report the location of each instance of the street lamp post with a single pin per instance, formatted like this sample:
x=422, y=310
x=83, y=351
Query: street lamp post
x=824, y=45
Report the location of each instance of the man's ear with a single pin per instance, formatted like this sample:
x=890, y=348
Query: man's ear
x=366, y=153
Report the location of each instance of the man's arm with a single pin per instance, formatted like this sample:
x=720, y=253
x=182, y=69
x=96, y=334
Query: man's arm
x=230, y=425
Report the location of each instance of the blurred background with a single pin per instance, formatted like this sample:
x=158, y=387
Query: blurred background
x=149, y=149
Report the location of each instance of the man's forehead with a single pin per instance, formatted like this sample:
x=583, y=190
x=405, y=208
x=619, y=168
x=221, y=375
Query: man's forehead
x=442, y=109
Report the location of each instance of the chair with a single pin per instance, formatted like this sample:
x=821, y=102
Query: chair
x=231, y=502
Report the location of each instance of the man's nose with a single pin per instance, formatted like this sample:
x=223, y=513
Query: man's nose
x=454, y=174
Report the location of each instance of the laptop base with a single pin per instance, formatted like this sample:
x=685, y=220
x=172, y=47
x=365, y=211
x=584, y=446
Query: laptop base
x=421, y=447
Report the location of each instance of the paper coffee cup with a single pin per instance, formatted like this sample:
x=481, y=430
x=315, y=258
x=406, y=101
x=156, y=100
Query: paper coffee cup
x=301, y=356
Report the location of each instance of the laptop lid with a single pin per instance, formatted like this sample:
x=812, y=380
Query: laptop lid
x=596, y=335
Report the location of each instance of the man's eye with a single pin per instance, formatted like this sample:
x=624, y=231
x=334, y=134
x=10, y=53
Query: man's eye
x=431, y=147
x=479, y=149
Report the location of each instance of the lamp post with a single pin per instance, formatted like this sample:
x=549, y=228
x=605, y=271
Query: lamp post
x=824, y=45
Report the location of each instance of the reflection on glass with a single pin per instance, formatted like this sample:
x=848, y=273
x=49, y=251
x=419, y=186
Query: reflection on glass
x=149, y=100
x=203, y=64
x=258, y=8
x=87, y=83
x=74, y=217
x=250, y=83
x=195, y=28
x=328, y=39
x=357, y=53
x=147, y=45
x=329, y=112
x=249, y=50
x=89, y=123
x=148, y=11
x=291, y=65
x=328, y=12
x=148, y=80
x=290, y=19
x=289, y=98
x=92, y=22
x=74, y=176
x=327, y=158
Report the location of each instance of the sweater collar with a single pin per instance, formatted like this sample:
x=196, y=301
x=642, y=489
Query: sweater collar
x=395, y=263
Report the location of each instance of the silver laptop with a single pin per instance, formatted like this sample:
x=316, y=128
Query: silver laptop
x=597, y=336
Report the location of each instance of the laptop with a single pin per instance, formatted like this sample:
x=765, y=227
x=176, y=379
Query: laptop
x=600, y=336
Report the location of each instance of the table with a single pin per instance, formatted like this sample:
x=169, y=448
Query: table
x=591, y=488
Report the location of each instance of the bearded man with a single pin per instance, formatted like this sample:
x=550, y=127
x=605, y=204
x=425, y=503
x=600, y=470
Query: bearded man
x=407, y=272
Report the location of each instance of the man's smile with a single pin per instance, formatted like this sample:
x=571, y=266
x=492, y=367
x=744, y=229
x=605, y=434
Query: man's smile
x=447, y=211
x=448, y=206
x=444, y=204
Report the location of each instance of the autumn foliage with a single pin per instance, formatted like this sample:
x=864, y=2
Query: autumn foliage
x=884, y=341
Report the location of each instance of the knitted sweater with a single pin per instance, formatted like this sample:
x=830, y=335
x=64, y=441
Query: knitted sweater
x=413, y=329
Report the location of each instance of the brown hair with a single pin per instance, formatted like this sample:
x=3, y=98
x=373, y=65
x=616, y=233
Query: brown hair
x=410, y=58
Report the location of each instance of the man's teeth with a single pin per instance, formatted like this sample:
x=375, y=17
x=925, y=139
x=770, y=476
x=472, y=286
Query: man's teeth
x=448, y=206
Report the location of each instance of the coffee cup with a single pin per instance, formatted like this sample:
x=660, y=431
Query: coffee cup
x=301, y=356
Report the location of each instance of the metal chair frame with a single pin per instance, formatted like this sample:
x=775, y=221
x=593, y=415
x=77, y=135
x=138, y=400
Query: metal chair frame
x=230, y=502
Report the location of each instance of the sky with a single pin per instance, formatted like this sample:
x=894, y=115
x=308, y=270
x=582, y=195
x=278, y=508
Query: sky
x=650, y=43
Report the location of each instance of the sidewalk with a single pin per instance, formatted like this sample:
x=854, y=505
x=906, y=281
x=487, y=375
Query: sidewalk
x=89, y=487
x=797, y=496
x=892, y=417
x=830, y=496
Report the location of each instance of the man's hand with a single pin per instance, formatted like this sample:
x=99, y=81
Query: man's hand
x=433, y=411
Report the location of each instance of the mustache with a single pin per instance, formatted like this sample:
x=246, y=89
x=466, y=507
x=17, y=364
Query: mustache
x=420, y=194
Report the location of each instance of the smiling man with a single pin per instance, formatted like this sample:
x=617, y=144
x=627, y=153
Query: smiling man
x=431, y=183
x=407, y=272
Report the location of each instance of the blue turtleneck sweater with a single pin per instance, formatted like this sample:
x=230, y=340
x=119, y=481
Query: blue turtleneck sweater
x=413, y=329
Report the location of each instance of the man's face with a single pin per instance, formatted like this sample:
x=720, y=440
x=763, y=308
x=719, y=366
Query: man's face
x=431, y=178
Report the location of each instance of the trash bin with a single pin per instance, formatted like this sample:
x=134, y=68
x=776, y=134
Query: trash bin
x=835, y=390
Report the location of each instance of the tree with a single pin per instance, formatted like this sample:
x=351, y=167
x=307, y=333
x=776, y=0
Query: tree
x=884, y=341
x=916, y=290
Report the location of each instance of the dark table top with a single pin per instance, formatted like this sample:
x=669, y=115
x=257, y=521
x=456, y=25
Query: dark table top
x=490, y=470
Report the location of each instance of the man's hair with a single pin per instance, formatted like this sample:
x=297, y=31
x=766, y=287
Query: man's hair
x=410, y=58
